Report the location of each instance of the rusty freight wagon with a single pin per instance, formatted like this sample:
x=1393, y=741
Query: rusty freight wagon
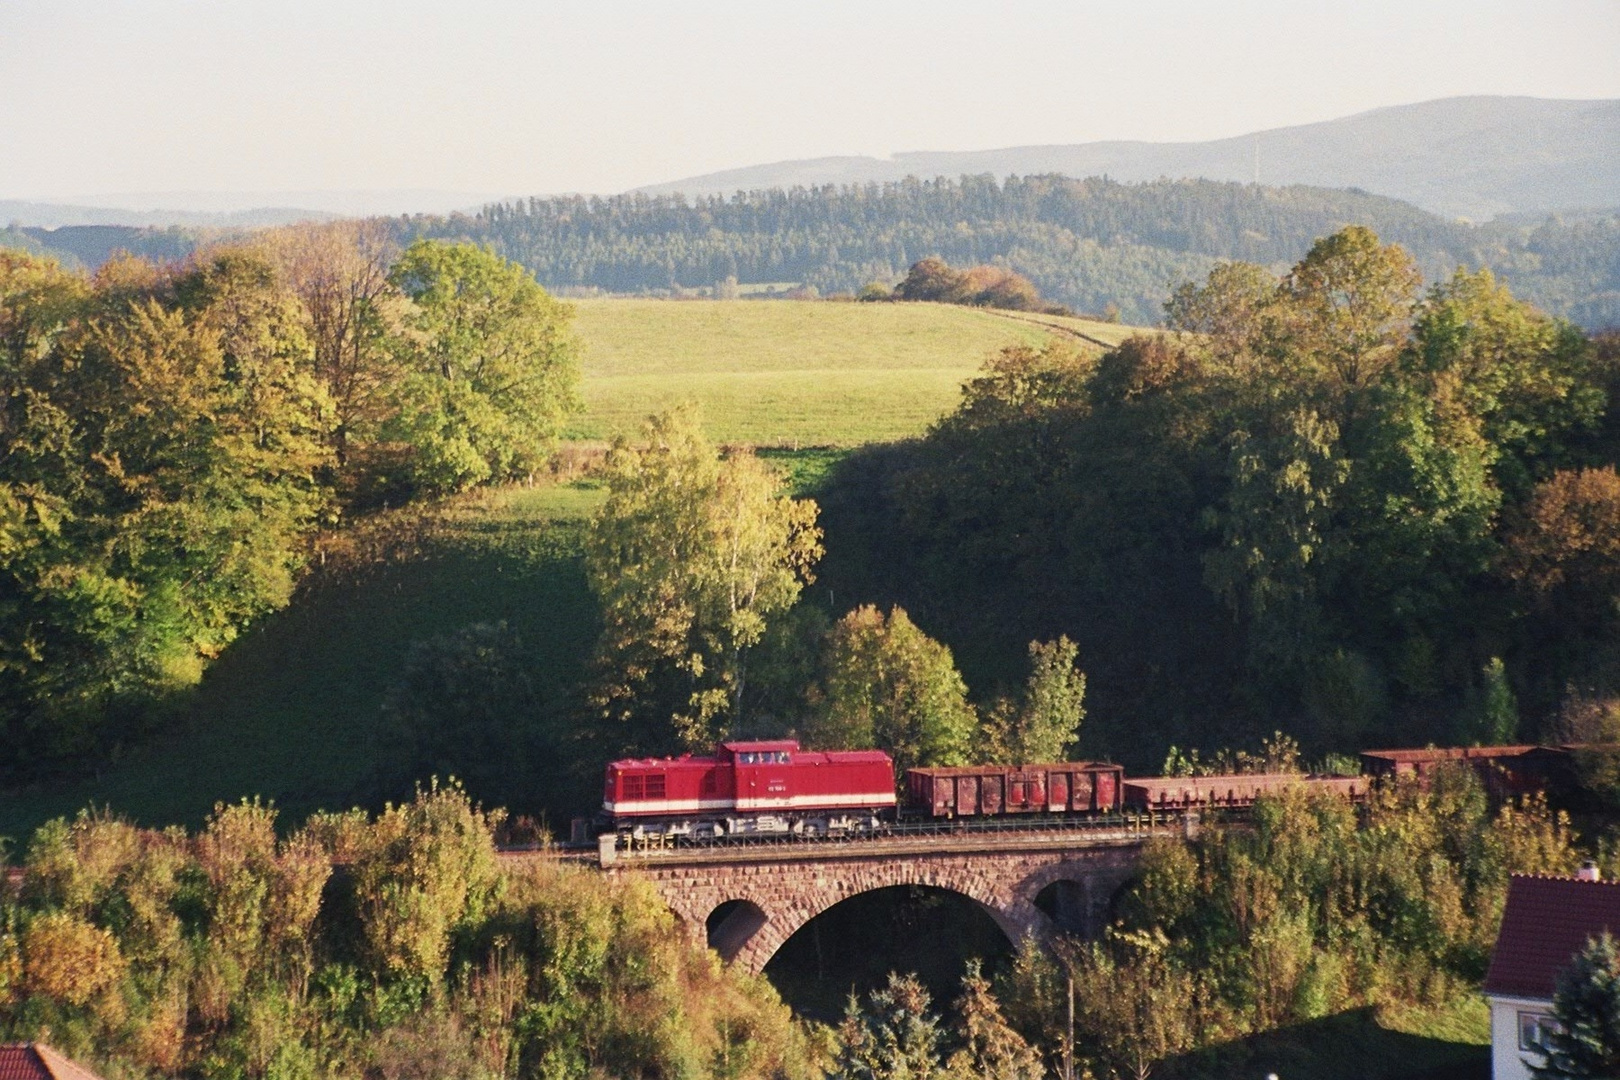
x=1076, y=787
x=1201, y=792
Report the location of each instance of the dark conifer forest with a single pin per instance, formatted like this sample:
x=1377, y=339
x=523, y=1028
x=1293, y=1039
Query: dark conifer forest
x=1089, y=244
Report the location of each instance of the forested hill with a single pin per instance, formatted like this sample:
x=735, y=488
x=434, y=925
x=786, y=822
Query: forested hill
x=1086, y=243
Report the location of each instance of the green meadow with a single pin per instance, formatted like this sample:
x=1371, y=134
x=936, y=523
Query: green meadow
x=795, y=373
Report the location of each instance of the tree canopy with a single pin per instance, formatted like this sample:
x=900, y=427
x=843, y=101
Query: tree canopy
x=690, y=557
x=492, y=371
x=171, y=438
x=1326, y=501
x=890, y=685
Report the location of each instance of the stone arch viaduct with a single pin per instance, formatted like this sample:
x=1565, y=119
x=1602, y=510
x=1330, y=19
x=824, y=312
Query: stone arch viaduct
x=748, y=901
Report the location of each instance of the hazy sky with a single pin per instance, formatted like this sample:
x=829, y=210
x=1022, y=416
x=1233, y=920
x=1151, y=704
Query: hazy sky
x=538, y=97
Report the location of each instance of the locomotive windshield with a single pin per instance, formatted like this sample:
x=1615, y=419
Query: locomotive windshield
x=763, y=757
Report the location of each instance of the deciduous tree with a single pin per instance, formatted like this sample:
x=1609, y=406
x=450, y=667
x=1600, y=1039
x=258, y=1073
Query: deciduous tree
x=1044, y=723
x=493, y=369
x=890, y=685
x=689, y=557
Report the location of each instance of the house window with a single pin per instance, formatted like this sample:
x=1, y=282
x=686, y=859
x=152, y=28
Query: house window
x=1533, y=1028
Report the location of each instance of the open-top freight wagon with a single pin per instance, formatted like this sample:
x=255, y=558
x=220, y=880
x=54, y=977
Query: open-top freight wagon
x=1078, y=787
x=1240, y=791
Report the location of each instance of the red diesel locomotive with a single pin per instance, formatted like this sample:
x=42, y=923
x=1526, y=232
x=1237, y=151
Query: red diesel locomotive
x=751, y=789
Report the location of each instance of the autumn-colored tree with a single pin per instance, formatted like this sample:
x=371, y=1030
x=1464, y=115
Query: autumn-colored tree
x=1563, y=554
x=932, y=279
x=987, y=1047
x=1233, y=310
x=67, y=958
x=1135, y=1002
x=1021, y=382
x=430, y=869
x=157, y=479
x=340, y=274
x=1351, y=302
x=1569, y=542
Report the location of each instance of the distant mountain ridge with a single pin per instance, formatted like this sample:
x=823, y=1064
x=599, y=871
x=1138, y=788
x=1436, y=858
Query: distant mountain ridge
x=36, y=215
x=1463, y=157
x=234, y=210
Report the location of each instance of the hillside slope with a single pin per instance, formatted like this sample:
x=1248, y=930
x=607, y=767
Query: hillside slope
x=292, y=711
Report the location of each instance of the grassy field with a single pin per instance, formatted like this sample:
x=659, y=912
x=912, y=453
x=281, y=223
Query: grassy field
x=795, y=373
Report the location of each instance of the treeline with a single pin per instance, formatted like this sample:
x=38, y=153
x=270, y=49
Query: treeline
x=1084, y=243
x=171, y=437
x=1330, y=502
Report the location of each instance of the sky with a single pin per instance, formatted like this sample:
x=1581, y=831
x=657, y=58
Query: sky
x=164, y=101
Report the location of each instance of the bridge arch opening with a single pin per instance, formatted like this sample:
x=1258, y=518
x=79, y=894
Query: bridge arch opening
x=853, y=945
x=1067, y=904
x=732, y=925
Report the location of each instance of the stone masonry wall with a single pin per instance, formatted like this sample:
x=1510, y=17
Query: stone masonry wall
x=783, y=894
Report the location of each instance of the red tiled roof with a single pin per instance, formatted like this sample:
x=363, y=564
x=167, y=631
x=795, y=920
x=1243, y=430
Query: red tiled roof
x=36, y=1061
x=1546, y=922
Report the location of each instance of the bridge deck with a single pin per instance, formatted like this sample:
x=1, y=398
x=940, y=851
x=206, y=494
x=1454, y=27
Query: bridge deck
x=905, y=840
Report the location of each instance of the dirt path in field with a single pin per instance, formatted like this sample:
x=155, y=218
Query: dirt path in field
x=1036, y=320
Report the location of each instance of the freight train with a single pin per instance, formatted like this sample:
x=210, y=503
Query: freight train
x=774, y=788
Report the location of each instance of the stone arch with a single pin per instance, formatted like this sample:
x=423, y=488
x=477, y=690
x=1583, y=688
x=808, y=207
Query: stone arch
x=732, y=925
x=1083, y=891
x=1006, y=911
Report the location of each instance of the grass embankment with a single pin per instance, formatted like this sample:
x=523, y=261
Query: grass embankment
x=1448, y=1043
x=795, y=373
x=290, y=712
